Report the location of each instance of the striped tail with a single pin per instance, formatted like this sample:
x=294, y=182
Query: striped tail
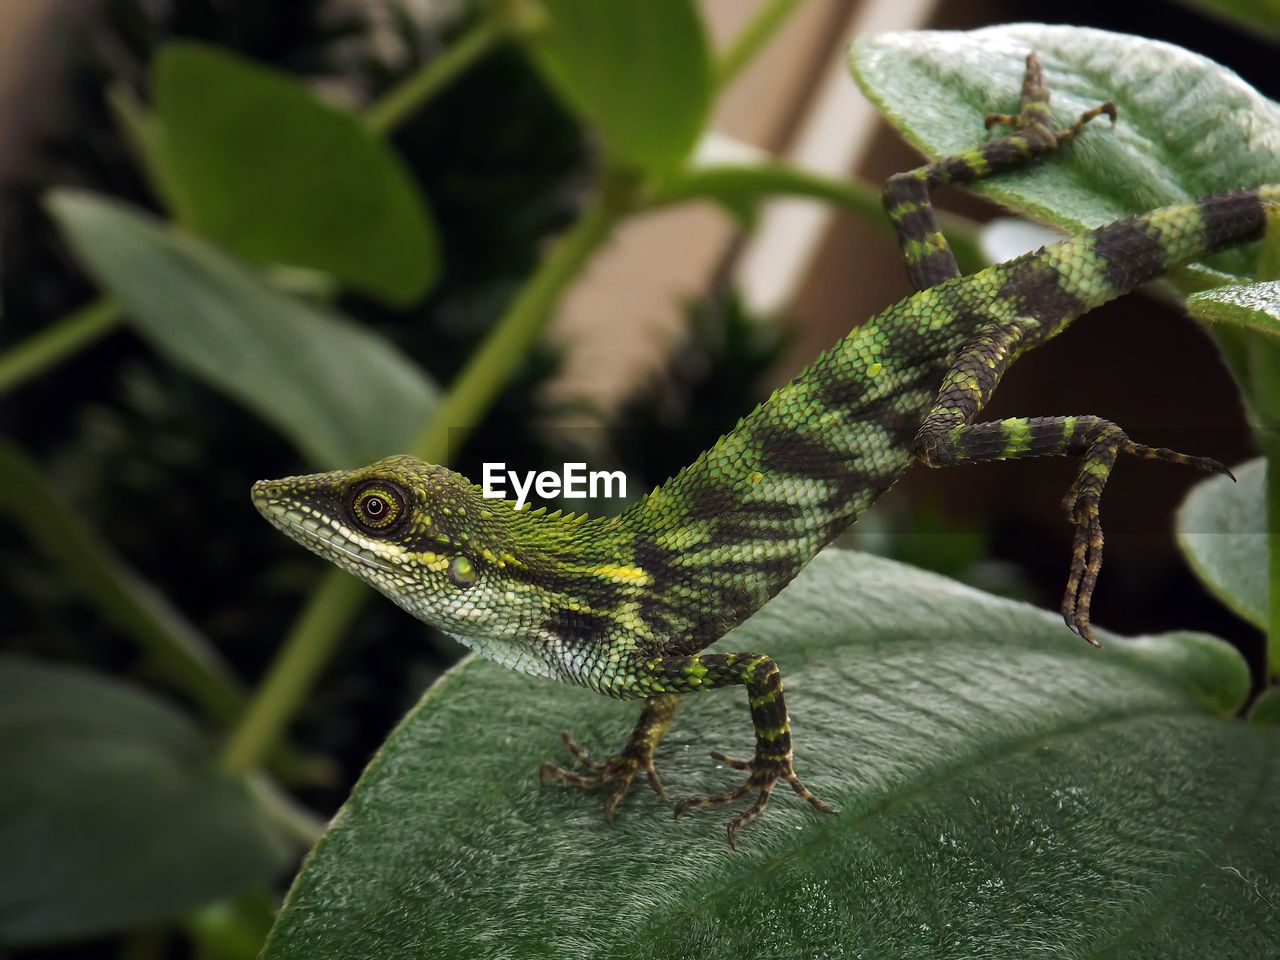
x=1102, y=264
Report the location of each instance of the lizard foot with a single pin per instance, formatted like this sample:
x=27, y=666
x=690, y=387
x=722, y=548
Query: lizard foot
x=619, y=769
x=766, y=771
x=622, y=768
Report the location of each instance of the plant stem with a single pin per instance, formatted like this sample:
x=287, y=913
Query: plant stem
x=1271, y=661
x=331, y=606
x=402, y=100
x=771, y=15
x=305, y=651
x=488, y=368
x=42, y=350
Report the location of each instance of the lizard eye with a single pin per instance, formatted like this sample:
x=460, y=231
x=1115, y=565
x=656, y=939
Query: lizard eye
x=377, y=506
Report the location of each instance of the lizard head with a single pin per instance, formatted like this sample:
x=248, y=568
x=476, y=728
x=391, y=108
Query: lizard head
x=419, y=533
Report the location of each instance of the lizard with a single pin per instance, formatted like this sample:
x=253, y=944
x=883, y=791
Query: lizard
x=626, y=605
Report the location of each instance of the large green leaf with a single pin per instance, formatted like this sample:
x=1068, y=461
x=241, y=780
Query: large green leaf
x=1187, y=126
x=343, y=395
x=1004, y=791
x=112, y=812
x=1222, y=532
x=256, y=161
x=639, y=73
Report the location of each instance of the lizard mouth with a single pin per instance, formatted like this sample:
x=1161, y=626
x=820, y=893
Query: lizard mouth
x=293, y=518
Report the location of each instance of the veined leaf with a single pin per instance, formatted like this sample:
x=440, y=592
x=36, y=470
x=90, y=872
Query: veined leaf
x=1003, y=789
x=1187, y=126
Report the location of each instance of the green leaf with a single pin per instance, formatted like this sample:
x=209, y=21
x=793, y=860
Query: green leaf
x=1187, y=126
x=1004, y=790
x=145, y=137
x=260, y=164
x=639, y=73
x=1244, y=320
x=1222, y=533
x=341, y=394
x=122, y=597
x=112, y=813
x=1267, y=708
x=1254, y=306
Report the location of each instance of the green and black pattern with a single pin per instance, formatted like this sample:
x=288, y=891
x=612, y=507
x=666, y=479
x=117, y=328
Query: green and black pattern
x=625, y=605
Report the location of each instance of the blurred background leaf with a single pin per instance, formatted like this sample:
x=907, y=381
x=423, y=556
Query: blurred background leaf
x=638, y=73
x=343, y=395
x=1261, y=15
x=263, y=166
x=1222, y=533
x=112, y=812
x=135, y=606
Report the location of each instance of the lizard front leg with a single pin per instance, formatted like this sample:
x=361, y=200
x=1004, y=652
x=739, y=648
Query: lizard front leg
x=665, y=678
x=620, y=769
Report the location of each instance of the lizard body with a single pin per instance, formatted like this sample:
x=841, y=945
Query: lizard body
x=625, y=604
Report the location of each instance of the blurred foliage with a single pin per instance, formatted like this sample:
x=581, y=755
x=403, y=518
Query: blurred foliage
x=140, y=447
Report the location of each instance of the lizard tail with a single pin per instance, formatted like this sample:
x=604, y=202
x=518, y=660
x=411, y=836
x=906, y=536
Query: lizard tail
x=1102, y=264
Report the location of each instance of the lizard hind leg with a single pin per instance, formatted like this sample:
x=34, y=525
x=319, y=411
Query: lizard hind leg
x=621, y=769
x=772, y=760
x=1083, y=500
x=948, y=436
x=928, y=257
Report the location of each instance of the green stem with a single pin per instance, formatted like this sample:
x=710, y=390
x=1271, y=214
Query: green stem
x=402, y=100
x=473, y=391
x=771, y=179
x=1271, y=664
x=771, y=15
x=306, y=650
x=63, y=337
x=332, y=605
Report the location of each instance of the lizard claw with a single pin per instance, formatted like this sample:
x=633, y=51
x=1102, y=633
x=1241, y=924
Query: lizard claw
x=766, y=771
x=620, y=769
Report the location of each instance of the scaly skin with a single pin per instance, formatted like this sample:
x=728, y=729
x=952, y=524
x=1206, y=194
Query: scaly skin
x=624, y=605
